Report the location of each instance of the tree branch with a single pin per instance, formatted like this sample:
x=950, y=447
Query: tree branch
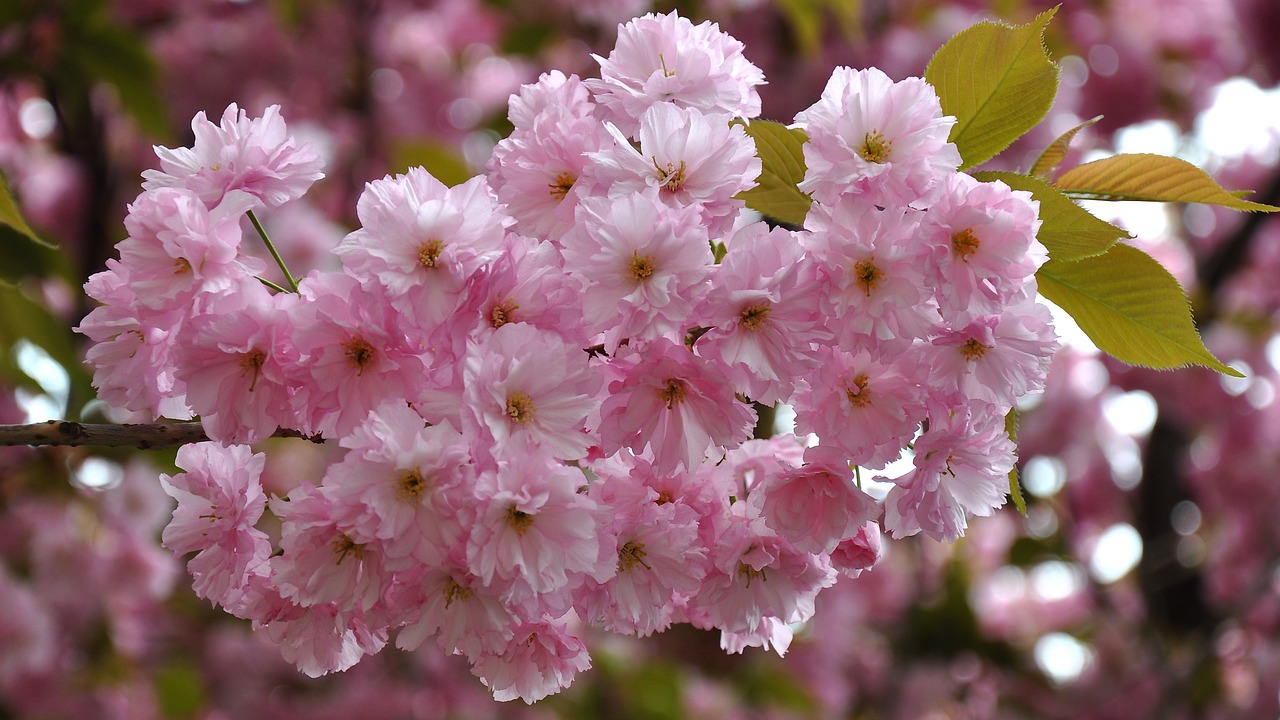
x=143, y=436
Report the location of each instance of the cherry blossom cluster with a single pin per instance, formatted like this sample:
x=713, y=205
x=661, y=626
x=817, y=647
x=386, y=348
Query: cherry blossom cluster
x=544, y=379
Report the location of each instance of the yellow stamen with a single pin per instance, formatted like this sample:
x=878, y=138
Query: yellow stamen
x=973, y=350
x=251, y=362
x=519, y=520
x=859, y=395
x=642, y=268
x=520, y=408
x=562, y=184
x=752, y=317
x=631, y=555
x=875, y=148
x=429, y=252
x=359, y=352
x=965, y=243
x=868, y=275
x=673, y=393
x=410, y=486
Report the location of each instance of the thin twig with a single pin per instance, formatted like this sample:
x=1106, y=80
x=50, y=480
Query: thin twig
x=150, y=436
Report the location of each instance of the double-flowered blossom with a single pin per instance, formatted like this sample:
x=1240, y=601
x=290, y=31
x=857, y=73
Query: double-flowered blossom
x=666, y=58
x=219, y=501
x=876, y=138
x=543, y=382
x=255, y=155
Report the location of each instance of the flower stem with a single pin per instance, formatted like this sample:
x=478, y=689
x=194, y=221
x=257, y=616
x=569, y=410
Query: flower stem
x=293, y=284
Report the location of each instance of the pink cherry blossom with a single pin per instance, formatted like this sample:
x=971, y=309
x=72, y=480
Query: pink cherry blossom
x=688, y=156
x=983, y=244
x=962, y=466
x=533, y=530
x=641, y=262
x=871, y=136
x=542, y=658
x=757, y=573
x=874, y=269
x=133, y=351
x=240, y=367
x=354, y=353
x=817, y=506
x=402, y=483
x=658, y=554
x=219, y=502
x=256, y=155
x=526, y=388
x=465, y=615
x=666, y=58
x=867, y=408
x=996, y=358
x=676, y=404
x=421, y=240
x=177, y=248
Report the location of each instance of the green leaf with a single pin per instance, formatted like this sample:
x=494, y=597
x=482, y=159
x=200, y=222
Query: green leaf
x=25, y=253
x=11, y=216
x=997, y=81
x=1015, y=487
x=1067, y=230
x=439, y=159
x=179, y=690
x=781, y=153
x=1131, y=307
x=1155, y=178
x=808, y=19
x=1057, y=150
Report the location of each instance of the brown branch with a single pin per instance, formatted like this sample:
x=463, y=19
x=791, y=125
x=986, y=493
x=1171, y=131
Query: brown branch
x=143, y=436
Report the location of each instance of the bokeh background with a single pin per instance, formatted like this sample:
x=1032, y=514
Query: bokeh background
x=1144, y=580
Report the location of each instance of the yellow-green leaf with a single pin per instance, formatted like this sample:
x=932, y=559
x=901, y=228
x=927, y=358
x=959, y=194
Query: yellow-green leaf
x=1057, y=150
x=11, y=216
x=1067, y=230
x=442, y=161
x=1015, y=487
x=998, y=82
x=809, y=19
x=781, y=153
x=1131, y=307
x=23, y=253
x=1156, y=178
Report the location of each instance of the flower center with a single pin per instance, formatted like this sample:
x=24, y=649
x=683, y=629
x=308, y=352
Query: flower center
x=973, y=350
x=502, y=312
x=753, y=316
x=750, y=573
x=859, y=395
x=671, y=177
x=965, y=243
x=562, y=184
x=519, y=520
x=359, y=352
x=251, y=362
x=410, y=486
x=181, y=266
x=875, y=148
x=673, y=393
x=520, y=408
x=868, y=275
x=642, y=268
x=453, y=592
x=429, y=252
x=344, y=546
x=631, y=555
